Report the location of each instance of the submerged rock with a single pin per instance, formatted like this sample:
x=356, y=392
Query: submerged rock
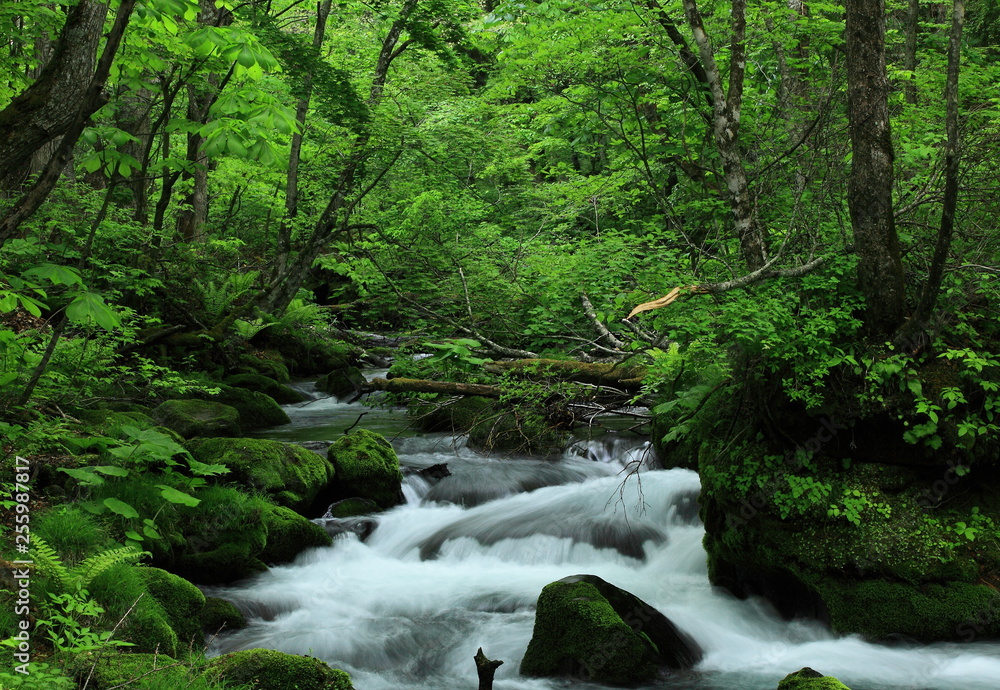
x=808, y=679
x=588, y=629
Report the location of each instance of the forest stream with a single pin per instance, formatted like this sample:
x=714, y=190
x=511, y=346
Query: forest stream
x=461, y=564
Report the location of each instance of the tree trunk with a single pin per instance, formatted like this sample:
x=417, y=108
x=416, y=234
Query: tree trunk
x=401, y=385
x=910, y=56
x=726, y=112
x=47, y=108
x=869, y=188
x=929, y=296
x=193, y=217
x=486, y=668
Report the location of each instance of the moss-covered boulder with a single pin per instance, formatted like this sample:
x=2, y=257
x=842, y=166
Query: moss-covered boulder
x=182, y=603
x=290, y=475
x=267, y=362
x=191, y=418
x=256, y=410
x=273, y=670
x=219, y=614
x=586, y=628
x=493, y=427
x=288, y=533
x=808, y=679
x=115, y=670
x=110, y=422
x=353, y=507
x=283, y=395
x=366, y=467
x=342, y=382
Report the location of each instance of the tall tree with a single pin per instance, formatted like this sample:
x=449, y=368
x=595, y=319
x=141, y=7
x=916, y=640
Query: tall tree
x=869, y=187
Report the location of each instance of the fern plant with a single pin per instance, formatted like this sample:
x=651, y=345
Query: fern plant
x=66, y=579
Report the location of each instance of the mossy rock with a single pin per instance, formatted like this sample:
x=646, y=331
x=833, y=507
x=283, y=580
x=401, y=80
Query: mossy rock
x=182, y=603
x=256, y=410
x=266, y=668
x=288, y=533
x=457, y=417
x=353, y=507
x=110, y=422
x=191, y=418
x=283, y=395
x=881, y=610
x=221, y=615
x=342, y=382
x=366, y=467
x=808, y=679
x=309, y=353
x=291, y=475
x=586, y=628
x=268, y=363
x=121, y=590
x=122, y=669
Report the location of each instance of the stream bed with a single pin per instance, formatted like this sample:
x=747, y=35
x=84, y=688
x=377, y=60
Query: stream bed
x=461, y=564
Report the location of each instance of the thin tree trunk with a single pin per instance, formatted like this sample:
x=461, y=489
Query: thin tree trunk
x=869, y=187
x=726, y=111
x=932, y=288
x=292, y=186
x=910, y=55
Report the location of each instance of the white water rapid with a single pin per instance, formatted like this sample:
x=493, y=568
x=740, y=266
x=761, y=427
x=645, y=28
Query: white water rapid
x=408, y=607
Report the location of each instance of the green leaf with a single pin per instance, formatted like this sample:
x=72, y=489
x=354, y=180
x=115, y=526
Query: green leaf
x=121, y=508
x=91, y=307
x=133, y=535
x=174, y=496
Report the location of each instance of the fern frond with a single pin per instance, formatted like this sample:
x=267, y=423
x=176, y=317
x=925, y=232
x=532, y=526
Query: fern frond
x=48, y=561
x=84, y=573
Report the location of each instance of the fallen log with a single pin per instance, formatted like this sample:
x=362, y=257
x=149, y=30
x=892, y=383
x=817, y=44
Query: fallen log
x=401, y=385
x=627, y=377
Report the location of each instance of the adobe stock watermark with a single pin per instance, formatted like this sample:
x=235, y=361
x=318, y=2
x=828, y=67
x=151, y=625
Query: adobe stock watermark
x=21, y=570
x=793, y=461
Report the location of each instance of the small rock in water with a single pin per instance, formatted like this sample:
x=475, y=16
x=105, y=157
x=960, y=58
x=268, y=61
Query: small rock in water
x=808, y=679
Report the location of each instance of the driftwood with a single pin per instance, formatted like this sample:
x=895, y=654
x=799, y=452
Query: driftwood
x=429, y=386
x=485, y=668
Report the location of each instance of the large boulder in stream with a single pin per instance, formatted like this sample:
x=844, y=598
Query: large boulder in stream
x=266, y=668
x=366, y=467
x=342, y=382
x=588, y=629
x=808, y=679
x=290, y=475
x=282, y=394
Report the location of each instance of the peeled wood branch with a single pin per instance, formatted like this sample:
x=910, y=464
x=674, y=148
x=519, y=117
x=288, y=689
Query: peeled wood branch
x=588, y=309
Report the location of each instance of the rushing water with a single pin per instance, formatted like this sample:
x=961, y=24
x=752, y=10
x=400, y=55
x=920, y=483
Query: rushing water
x=461, y=565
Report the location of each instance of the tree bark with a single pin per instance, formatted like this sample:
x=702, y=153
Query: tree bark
x=910, y=48
x=726, y=113
x=47, y=108
x=932, y=288
x=92, y=99
x=869, y=188
x=193, y=217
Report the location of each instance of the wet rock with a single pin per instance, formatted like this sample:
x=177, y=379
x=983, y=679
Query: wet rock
x=366, y=467
x=588, y=629
x=191, y=418
x=808, y=679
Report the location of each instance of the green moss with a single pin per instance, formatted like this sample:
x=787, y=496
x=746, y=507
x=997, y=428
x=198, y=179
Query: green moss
x=278, y=671
x=219, y=615
x=353, y=507
x=879, y=609
x=807, y=679
x=267, y=363
x=123, y=593
x=308, y=352
x=191, y=418
x=71, y=531
x=114, y=670
x=288, y=533
x=579, y=634
x=283, y=395
x=341, y=382
x=366, y=467
x=256, y=410
x=182, y=603
x=291, y=475
x=109, y=423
